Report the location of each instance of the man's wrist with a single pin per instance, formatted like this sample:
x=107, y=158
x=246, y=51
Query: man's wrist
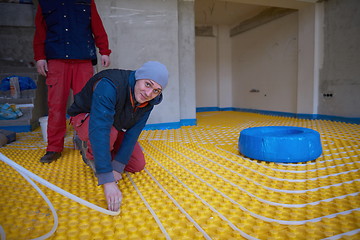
x=105, y=178
x=118, y=166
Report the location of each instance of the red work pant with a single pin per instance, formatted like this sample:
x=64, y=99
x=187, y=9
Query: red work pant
x=81, y=125
x=62, y=76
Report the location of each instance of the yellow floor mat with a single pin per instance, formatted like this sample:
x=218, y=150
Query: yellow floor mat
x=195, y=185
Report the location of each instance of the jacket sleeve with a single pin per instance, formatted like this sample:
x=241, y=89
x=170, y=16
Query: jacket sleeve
x=39, y=36
x=130, y=138
x=101, y=121
x=98, y=30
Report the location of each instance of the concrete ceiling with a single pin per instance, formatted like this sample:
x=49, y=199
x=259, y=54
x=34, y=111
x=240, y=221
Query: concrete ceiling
x=232, y=12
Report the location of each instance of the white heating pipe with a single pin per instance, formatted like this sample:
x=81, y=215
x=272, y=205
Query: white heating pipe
x=29, y=175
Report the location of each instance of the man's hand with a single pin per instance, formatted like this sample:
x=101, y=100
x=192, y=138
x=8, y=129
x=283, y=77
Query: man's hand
x=41, y=66
x=105, y=60
x=113, y=196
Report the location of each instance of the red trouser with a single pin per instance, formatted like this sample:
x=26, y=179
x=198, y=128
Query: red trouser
x=62, y=76
x=81, y=125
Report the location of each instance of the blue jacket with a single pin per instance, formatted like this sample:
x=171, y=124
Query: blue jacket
x=68, y=34
x=106, y=97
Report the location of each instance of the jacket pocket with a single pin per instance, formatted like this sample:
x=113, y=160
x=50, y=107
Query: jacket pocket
x=79, y=119
x=80, y=124
x=53, y=75
x=83, y=13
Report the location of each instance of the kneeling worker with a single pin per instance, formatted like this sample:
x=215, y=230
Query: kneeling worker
x=108, y=116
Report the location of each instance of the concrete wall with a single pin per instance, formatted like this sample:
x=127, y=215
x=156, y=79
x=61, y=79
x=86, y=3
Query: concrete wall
x=16, y=34
x=264, y=66
x=206, y=72
x=140, y=31
x=340, y=75
x=213, y=69
x=305, y=62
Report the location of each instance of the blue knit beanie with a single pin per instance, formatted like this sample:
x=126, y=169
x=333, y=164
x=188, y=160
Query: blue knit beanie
x=155, y=71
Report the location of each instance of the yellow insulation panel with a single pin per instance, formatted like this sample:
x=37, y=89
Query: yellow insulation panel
x=196, y=185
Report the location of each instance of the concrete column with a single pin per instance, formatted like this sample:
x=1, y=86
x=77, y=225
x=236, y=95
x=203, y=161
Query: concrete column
x=307, y=88
x=224, y=67
x=187, y=79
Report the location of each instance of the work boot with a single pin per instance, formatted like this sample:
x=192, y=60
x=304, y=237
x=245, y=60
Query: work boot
x=82, y=146
x=50, y=157
x=90, y=163
x=77, y=142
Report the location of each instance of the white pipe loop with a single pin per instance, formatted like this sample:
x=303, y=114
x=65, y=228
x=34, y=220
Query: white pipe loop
x=29, y=175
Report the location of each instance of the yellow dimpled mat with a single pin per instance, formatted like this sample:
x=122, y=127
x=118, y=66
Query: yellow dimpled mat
x=196, y=185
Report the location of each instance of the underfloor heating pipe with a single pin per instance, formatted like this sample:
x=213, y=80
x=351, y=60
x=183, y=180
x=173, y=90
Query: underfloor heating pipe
x=29, y=175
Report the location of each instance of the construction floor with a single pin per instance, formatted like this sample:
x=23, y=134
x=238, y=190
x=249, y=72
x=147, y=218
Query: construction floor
x=196, y=185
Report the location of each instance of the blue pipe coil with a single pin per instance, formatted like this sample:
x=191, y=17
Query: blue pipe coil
x=280, y=144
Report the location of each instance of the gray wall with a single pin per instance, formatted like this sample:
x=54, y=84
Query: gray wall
x=265, y=66
x=140, y=31
x=206, y=72
x=164, y=31
x=340, y=75
x=326, y=79
x=16, y=34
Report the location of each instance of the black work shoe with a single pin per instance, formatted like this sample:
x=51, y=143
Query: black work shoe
x=77, y=142
x=82, y=146
x=90, y=163
x=50, y=157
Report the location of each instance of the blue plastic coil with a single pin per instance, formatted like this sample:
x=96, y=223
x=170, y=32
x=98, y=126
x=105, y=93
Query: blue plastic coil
x=280, y=144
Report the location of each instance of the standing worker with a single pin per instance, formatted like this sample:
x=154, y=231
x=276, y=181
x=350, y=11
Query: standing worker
x=64, y=49
x=108, y=116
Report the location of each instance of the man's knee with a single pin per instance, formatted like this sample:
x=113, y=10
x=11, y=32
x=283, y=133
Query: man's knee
x=138, y=167
x=141, y=166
